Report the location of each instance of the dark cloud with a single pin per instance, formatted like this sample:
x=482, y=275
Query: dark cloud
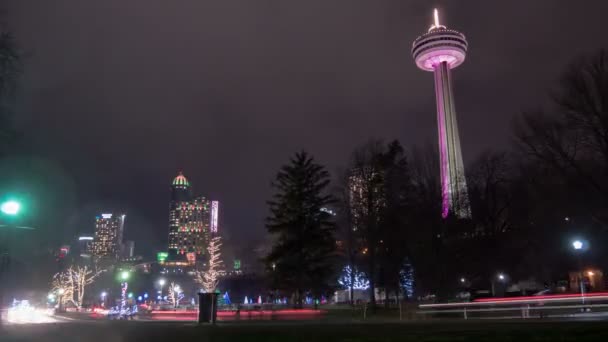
x=120, y=95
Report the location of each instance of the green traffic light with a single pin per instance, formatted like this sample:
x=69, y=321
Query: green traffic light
x=11, y=208
x=124, y=275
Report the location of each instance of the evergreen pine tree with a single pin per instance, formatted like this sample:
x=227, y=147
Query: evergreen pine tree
x=302, y=257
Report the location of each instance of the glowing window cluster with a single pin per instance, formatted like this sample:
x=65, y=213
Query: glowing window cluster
x=108, y=236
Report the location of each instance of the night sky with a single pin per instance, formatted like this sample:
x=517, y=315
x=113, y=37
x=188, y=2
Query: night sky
x=118, y=96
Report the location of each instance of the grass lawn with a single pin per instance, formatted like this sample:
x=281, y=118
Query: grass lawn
x=311, y=331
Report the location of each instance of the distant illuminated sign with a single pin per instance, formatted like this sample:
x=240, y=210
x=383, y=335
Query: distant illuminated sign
x=162, y=256
x=191, y=256
x=214, y=213
x=329, y=211
x=63, y=251
x=237, y=264
x=106, y=216
x=85, y=238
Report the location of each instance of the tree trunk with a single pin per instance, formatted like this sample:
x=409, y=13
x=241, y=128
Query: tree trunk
x=372, y=280
x=352, y=285
x=397, y=292
x=386, y=298
x=298, y=303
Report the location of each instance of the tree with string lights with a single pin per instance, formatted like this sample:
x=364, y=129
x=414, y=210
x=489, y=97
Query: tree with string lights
x=209, y=279
x=73, y=282
x=175, y=294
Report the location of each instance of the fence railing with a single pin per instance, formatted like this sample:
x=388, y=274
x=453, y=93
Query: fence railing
x=522, y=307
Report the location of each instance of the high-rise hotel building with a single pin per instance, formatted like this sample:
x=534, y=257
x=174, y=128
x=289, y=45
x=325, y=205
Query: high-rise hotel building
x=107, y=242
x=191, y=222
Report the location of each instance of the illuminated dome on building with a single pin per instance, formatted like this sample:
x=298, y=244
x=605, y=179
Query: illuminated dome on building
x=181, y=181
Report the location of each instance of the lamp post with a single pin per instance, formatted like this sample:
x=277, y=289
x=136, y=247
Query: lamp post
x=10, y=210
x=501, y=277
x=161, y=282
x=578, y=246
x=51, y=299
x=103, y=298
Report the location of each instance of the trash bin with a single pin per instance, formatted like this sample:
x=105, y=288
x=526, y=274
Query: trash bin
x=207, y=307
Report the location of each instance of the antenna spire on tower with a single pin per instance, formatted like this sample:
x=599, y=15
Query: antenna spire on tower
x=436, y=24
x=436, y=15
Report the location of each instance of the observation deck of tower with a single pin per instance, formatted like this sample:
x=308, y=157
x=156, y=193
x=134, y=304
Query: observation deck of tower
x=440, y=50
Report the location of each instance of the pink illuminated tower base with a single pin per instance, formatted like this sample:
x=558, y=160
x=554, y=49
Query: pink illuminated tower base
x=440, y=50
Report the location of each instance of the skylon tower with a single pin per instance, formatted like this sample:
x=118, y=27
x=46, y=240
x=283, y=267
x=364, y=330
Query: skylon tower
x=440, y=50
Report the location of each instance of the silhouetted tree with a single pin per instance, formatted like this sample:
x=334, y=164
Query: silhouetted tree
x=10, y=68
x=375, y=195
x=396, y=218
x=350, y=244
x=571, y=137
x=437, y=245
x=429, y=255
x=367, y=202
x=489, y=188
x=485, y=245
x=302, y=256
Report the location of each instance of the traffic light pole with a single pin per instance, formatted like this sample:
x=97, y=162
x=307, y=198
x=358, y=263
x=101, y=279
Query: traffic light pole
x=4, y=263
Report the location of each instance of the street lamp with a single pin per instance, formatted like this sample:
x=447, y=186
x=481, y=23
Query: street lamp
x=161, y=282
x=501, y=277
x=462, y=280
x=578, y=246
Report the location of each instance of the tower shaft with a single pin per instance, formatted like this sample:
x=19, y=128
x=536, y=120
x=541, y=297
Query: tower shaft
x=453, y=183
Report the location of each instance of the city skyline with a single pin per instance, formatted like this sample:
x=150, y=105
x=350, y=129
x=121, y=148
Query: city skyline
x=225, y=92
x=262, y=163
x=201, y=215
